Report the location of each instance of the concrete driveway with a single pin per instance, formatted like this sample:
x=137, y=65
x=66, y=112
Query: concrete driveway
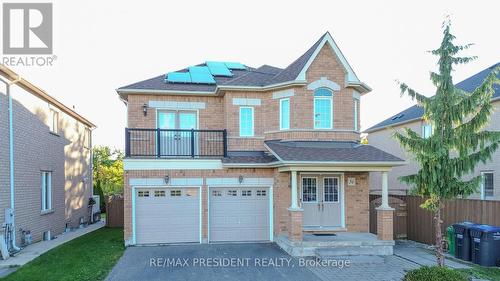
x=265, y=261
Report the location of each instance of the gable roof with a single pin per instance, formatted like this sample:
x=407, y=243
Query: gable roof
x=416, y=112
x=263, y=77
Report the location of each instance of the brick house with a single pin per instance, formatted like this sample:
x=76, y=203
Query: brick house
x=380, y=137
x=45, y=156
x=223, y=152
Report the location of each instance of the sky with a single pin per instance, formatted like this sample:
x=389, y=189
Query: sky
x=103, y=45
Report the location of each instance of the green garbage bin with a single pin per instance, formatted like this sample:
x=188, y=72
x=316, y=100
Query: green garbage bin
x=451, y=240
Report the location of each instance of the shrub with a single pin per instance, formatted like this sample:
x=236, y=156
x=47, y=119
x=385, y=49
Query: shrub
x=434, y=273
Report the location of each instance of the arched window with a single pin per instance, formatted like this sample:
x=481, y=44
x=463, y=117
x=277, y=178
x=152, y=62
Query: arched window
x=323, y=108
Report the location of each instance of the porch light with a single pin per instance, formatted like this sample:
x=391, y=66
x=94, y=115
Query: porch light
x=240, y=179
x=145, y=109
x=166, y=179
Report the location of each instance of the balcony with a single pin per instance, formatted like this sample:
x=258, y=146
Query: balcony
x=170, y=143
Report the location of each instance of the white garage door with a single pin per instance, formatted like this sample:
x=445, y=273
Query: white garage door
x=167, y=215
x=239, y=214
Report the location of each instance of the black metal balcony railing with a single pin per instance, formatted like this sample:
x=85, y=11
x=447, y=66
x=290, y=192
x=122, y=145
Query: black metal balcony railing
x=175, y=143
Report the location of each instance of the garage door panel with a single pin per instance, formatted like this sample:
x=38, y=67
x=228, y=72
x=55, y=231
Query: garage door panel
x=239, y=214
x=172, y=216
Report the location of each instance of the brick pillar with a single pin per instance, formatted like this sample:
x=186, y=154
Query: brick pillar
x=385, y=223
x=295, y=225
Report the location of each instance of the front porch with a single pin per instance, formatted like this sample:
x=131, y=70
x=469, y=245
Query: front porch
x=346, y=235
x=338, y=244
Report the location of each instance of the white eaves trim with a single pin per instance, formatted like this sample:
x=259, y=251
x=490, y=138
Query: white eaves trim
x=351, y=76
x=171, y=164
x=167, y=92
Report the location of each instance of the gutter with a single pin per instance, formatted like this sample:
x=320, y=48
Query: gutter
x=34, y=90
x=11, y=159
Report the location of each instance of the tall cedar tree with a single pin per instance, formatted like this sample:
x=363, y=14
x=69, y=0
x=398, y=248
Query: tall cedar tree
x=458, y=142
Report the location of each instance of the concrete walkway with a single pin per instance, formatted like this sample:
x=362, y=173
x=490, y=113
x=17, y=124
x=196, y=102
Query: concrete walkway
x=33, y=251
x=424, y=255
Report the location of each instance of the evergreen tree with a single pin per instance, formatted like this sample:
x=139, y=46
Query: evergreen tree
x=458, y=142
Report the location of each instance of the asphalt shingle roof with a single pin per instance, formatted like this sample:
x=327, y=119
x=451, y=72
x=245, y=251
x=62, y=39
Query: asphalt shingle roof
x=328, y=151
x=262, y=76
x=414, y=112
x=248, y=157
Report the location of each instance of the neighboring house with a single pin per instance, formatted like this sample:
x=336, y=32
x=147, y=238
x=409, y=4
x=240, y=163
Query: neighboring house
x=49, y=146
x=380, y=136
x=223, y=152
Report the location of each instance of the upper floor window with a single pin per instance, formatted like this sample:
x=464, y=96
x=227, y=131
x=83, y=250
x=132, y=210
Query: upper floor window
x=426, y=131
x=46, y=190
x=323, y=107
x=356, y=112
x=284, y=114
x=87, y=138
x=246, y=122
x=54, y=121
x=487, y=184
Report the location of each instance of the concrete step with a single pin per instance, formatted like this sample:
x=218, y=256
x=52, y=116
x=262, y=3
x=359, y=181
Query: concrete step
x=375, y=250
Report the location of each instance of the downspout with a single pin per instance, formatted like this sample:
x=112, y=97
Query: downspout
x=11, y=159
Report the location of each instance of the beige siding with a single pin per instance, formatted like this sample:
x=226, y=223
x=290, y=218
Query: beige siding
x=383, y=140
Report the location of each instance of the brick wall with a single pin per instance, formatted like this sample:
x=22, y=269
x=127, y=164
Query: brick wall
x=227, y=173
x=36, y=150
x=221, y=113
x=357, y=202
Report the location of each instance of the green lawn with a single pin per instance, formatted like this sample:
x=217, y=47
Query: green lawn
x=489, y=273
x=89, y=257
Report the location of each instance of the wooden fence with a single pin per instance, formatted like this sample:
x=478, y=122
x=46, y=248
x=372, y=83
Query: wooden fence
x=114, y=211
x=419, y=223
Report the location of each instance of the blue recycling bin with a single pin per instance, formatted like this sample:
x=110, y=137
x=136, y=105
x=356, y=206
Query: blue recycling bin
x=462, y=240
x=485, y=247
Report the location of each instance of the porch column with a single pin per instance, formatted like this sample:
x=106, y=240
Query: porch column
x=294, y=212
x=385, y=214
x=294, y=204
x=385, y=191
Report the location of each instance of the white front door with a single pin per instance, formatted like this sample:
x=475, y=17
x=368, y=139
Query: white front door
x=320, y=198
x=177, y=142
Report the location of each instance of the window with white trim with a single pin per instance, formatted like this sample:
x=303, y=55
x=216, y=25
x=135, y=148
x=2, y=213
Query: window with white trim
x=284, y=114
x=426, y=130
x=356, y=110
x=323, y=108
x=232, y=193
x=261, y=192
x=87, y=138
x=54, y=121
x=46, y=190
x=309, y=191
x=246, y=122
x=487, y=185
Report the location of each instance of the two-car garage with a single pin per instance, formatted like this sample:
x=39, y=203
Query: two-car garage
x=173, y=214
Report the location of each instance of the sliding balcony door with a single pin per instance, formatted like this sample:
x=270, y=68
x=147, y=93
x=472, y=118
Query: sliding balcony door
x=179, y=140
